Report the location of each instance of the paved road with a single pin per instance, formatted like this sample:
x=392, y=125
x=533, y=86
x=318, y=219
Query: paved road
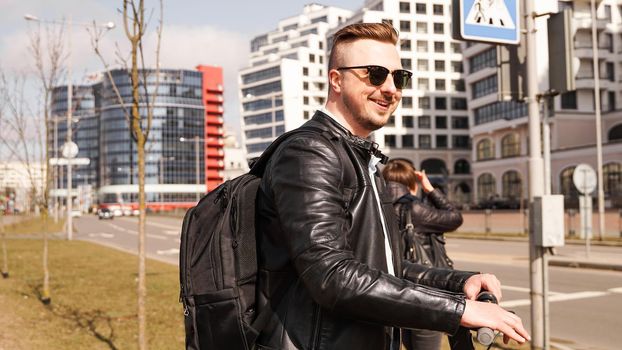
x=162, y=242
x=585, y=304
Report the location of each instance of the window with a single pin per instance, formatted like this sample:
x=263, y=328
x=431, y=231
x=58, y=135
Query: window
x=311, y=58
x=408, y=121
x=485, y=149
x=510, y=145
x=484, y=87
x=407, y=102
x=404, y=7
x=615, y=133
x=404, y=26
x=485, y=186
x=408, y=141
x=425, y=141
x=439, y=66
x=569, y=100
x=462, y=167
x=439, y=47
x=423, y=83
x=407, y=63
x=422, y=65
x=420, y=9
x=390, y=121
x=439, y=28
x=458, y=103
x=440, y=122
x=424, y=122
x=405, y=44
x=457, y=85
x=455, y=48
x=441, y=141
x=424, y=102
x=483, y=60
x=305, y=100
x=459, y=122
x=612, y=100
x=437, y=10
x=422, y=27
x=305, y=85
x=440, y=103
x=567, y=187
x=612, y=179
x=389, y=141
x=305, y=71
x=511, y=183
x=507, y=110
x=422, y=46
x=439, y=84
x=456, y=67
x=461, y=142
x=609, y=71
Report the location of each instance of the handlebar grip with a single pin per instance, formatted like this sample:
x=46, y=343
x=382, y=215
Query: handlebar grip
x=485, y=335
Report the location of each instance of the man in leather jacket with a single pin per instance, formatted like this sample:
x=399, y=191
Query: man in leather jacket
x=328, y=241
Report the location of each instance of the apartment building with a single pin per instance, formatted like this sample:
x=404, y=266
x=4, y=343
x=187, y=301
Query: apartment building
x=499, y=129
x=285, y=81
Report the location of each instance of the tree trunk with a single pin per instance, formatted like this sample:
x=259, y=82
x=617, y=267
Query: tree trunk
x=45, y=293
x=5, y=260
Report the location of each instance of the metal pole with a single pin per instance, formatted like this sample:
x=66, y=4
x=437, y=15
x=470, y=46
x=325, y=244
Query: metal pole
x=536, y=177
x=599, y=137
x=196, y=165
x=69, y=136
x=55, y=169
x=546, y=145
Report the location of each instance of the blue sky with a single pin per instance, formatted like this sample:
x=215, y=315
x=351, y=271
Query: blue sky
x=196, y=32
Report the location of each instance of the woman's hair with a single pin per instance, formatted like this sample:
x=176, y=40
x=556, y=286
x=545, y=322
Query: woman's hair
x=400, y=171
x=382, y=32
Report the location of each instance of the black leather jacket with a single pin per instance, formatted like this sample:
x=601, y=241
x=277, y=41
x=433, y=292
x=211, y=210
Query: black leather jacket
x=322, y=264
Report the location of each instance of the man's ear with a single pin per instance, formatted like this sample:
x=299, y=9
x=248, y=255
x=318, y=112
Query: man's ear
x=335, y=80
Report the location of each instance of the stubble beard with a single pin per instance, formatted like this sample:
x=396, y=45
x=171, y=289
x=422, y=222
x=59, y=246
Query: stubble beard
x=364, y=118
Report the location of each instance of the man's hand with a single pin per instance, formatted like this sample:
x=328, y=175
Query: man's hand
x=478, y=314
x=483, y=281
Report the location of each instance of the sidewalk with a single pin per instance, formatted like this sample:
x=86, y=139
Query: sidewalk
x=565, y=257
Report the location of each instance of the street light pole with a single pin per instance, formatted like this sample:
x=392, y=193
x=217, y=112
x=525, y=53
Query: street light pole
x=109, y=25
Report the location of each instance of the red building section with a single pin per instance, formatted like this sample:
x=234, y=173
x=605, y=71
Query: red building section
x=214, y=134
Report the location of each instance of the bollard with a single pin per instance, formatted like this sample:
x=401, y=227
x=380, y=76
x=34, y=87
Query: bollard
x=620, y=221
x=487, y=213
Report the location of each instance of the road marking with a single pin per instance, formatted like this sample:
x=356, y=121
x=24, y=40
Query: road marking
x=615, y=290
x=102, y=234
x=171, y=251
x=171, y=232
x=524, y=290
x=156, y=224
x=558, y=297
x=157, y=237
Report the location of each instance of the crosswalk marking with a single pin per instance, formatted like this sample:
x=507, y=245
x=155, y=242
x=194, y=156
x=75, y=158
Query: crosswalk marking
x=556, y=297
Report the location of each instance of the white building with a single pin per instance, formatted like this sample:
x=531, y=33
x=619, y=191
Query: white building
x=236, y=162
x=285, y=81
x=431, y=126
x=499, y=130
x=18, y=178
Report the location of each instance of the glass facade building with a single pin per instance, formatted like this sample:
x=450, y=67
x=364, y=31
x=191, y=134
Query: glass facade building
x=176, y=148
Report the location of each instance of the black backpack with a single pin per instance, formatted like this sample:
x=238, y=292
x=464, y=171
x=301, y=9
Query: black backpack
x=218, y=263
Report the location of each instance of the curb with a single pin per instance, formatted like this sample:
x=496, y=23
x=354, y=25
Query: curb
x=584, y=264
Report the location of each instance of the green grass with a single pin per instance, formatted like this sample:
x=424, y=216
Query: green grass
x=93, y=292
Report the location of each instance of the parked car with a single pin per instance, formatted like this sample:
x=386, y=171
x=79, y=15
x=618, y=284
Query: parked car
x=105, y=213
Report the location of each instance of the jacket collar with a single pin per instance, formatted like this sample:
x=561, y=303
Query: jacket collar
x=333, y=125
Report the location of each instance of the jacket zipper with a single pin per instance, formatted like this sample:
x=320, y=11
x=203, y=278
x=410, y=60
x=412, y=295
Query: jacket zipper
x=317, y=316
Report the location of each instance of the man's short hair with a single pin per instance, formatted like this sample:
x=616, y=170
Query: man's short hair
x=383, y=32
x=400, y=171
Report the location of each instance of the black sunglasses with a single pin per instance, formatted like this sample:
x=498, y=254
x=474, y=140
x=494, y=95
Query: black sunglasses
x=378, y=74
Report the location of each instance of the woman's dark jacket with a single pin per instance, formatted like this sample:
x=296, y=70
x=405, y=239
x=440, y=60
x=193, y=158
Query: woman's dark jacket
x=437, y=219
x=322, y=265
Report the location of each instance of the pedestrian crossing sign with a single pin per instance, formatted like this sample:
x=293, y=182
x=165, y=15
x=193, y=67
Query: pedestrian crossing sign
x=494, y=21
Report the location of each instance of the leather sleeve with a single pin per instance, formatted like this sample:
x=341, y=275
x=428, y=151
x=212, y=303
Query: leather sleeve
x=306, y=184
x=447, y=279
x=443, y=217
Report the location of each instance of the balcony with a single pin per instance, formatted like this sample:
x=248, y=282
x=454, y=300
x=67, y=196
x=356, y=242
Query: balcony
x=584, y=50
x=585, y=22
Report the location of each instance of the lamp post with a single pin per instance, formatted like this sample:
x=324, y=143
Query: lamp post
x=69, y=142
x=196, y=140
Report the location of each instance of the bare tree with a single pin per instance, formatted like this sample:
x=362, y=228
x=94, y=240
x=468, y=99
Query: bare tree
x=141, y=103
